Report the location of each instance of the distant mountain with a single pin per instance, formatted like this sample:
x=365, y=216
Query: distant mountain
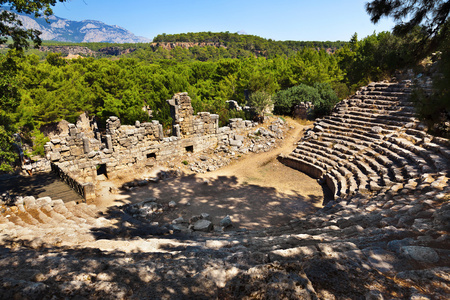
x=86, y=31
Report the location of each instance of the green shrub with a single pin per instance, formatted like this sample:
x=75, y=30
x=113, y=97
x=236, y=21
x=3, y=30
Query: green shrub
x=39, y=140
x=260, y=100
x=328, y=99
x=285, y=100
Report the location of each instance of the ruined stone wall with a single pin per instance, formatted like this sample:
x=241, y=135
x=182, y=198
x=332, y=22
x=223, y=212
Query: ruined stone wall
x=304, y=110
x=185, y=123
x=84, y=153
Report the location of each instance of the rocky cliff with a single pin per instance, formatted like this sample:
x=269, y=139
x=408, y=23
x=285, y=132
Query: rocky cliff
x=86, y=31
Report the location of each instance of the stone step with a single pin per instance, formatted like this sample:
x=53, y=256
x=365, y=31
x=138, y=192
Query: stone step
x=385, y=118
x=369, y=122
x=303, y=166
x=398, y=155
x=345, y=127
x=433, y=160
x=399, y=115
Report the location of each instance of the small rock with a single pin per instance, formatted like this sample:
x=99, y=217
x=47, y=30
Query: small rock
x=419, y=253
x=19, y=200
x=205, y=216
x=226, y=222
x=178, y=220
x=374, y=295
x=377, y=129
x=142, y=182
x=203, y=225
x=194, y=219
x=172, y=204
x=43, y=201
x=176, y=228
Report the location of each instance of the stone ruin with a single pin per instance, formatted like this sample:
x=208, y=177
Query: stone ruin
x=184, y=122
x=84, y=153
x=304, y=110
x=233, y=105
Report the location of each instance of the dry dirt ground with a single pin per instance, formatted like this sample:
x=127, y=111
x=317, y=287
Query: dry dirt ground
x=255, y=190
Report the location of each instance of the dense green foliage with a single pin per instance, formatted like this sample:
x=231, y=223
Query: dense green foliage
x=285, y=100
x=206, y=46
x=61, y=89
x=8, y=154
x=235, y=42
x=431, y=15
x=434, y=108
x=377, y=56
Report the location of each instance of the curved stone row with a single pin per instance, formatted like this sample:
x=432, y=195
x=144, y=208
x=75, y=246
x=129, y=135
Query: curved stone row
x=371, y=143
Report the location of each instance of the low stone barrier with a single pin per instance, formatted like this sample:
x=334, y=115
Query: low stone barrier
x=86, y=190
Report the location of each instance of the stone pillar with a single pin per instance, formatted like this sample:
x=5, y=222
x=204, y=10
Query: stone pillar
x=72, y=130
x=108, y=142
x=182, y=113
x=176, y=130
x=160, y=131
x=216, y=122
x=89, y=192
x=86, y=145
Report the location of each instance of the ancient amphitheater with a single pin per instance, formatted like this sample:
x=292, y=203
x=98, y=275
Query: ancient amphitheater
x=384, y=236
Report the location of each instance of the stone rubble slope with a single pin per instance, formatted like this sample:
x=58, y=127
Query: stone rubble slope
x=385, y=236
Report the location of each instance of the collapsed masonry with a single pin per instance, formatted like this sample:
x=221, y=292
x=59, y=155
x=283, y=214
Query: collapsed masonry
x=83, y=152
x=304, y=110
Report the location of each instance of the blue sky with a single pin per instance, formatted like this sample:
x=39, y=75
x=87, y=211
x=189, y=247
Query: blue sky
x=300, y=20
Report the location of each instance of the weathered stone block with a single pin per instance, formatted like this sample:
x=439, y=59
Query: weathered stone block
x=55, y=156
x=86, y=146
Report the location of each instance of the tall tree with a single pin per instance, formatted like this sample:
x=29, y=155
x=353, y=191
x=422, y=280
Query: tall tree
x=432, y=15
x=11, y=26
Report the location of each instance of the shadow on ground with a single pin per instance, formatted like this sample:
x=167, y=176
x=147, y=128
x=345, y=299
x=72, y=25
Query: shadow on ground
x=250, y=206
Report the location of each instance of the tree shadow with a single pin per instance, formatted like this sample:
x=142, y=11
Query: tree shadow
x=86, y=273
x=250, y=206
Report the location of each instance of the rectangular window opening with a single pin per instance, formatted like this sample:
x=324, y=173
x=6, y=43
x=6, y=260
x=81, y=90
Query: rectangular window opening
x=151, y=155
x=190, y=149
x=101, y=170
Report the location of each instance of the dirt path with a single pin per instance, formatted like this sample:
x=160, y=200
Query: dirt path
x=256, y=190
